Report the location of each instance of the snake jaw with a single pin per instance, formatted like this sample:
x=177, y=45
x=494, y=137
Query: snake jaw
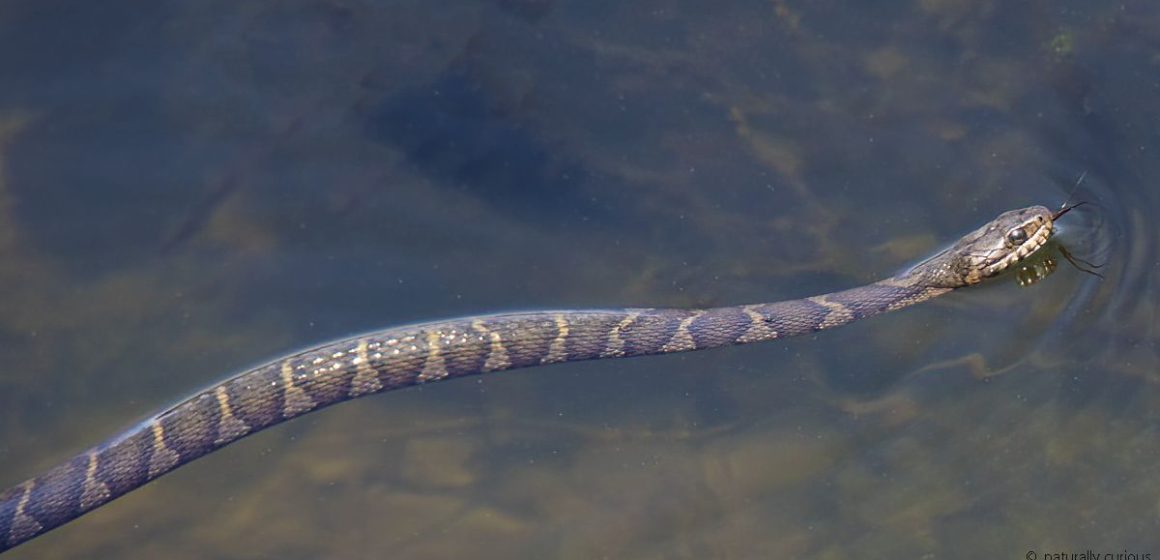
x=1035, y=231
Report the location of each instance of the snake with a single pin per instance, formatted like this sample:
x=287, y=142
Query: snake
x=412, y=355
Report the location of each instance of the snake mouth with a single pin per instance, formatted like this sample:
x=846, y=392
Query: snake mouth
x=1040, y=231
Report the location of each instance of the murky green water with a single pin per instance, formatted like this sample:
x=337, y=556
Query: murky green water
x=190, y=188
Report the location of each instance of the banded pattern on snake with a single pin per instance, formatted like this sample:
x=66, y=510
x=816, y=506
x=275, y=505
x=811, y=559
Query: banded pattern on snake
x=405, y=356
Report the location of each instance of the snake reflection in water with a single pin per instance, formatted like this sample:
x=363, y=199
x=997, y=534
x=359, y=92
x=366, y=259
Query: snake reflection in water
x=405, y=356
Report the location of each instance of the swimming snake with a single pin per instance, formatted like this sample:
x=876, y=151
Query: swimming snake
x=401, y=357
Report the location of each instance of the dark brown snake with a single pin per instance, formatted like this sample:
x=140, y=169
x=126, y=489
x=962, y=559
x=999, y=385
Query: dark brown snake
x=404, y=356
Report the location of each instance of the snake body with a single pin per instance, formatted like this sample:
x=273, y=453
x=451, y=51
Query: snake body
x=405, y=356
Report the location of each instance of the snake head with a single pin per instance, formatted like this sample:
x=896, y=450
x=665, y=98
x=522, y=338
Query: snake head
x=987, y=251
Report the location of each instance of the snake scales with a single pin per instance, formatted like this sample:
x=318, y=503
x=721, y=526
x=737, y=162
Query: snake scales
x=401, y=357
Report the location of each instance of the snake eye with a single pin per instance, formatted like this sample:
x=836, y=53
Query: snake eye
x=1016, y=236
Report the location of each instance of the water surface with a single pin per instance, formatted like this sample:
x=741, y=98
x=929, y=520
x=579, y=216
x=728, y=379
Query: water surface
x=189, y=189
